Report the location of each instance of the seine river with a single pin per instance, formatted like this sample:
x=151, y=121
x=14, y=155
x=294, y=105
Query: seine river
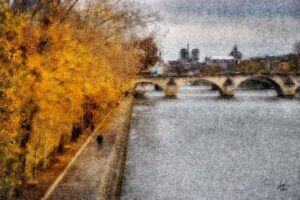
x=200, y=146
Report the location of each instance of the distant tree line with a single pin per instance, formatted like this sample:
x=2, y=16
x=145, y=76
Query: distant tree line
x=286, y=63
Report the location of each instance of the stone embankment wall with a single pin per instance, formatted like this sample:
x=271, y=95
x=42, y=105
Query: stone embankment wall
x=111, y=181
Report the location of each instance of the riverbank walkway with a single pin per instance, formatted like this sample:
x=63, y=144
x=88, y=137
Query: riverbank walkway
x=88, y=175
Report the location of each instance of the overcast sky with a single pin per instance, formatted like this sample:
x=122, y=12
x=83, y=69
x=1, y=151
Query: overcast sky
x=258, y=27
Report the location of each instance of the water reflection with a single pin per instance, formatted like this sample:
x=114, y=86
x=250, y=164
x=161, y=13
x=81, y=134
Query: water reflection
x=202, y=146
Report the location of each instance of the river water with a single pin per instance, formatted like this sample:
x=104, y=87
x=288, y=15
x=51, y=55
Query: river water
x=201, y=146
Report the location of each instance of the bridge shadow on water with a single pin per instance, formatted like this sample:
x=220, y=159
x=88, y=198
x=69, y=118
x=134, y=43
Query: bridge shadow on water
x=269, y=95
x=204, y=93
x=298, y=93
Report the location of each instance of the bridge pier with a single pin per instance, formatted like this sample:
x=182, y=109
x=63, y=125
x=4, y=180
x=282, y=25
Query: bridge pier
x=227, y=91
x=287, y=92
x=285, y=84
x=171, y=90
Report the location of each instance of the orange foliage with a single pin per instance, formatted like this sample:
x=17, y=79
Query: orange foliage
x=212, y=69
x=249, y=66
x=49, y=72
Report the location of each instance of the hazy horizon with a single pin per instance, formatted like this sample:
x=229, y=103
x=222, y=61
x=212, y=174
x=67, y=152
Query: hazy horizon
x=258, y=27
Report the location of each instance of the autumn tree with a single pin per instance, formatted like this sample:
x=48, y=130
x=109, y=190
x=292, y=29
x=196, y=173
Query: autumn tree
x=212, y=69
x=12, y=73
x=150, y=52
x=57, y=64
x=249, y=66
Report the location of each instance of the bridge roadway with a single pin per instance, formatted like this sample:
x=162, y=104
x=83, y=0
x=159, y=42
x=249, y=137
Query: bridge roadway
x=286, y=84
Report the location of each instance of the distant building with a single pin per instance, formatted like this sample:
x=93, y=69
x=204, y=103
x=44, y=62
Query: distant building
x=236, y=54
x=186, y=58
x=184, y=55
x=159, y=68
x=223, y=61
x=195, y=55
x=187, y=63
x=274, y=63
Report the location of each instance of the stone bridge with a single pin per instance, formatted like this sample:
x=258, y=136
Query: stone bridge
x=285, y=84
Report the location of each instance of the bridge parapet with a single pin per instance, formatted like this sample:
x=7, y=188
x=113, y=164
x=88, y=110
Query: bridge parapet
x=286, y=84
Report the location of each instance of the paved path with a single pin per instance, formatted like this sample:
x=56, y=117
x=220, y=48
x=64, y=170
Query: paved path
x=83, y=180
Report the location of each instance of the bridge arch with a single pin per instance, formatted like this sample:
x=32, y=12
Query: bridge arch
x=146, y=82
x=213, y=83
x=277, y=86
